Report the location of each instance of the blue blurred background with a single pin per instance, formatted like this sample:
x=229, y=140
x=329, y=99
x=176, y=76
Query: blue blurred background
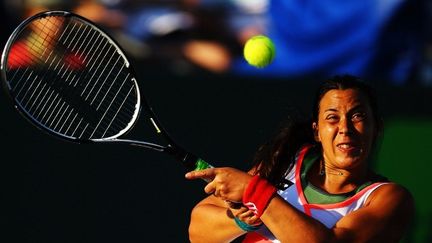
x=188, y=58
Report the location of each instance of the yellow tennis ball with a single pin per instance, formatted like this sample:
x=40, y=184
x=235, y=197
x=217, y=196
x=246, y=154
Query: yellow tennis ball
x=259, y=51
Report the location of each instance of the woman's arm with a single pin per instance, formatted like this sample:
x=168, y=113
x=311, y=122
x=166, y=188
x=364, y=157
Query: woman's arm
x=384, y=218
x=290, y=225
x=212, y=221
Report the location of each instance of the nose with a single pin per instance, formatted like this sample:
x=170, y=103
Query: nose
x=344, y=126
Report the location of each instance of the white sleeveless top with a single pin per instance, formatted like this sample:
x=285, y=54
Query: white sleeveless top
x=328, y=214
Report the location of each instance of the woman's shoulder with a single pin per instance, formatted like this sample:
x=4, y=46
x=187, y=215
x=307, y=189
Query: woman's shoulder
x=394, y=188
x=387, y=186
x=391, y=193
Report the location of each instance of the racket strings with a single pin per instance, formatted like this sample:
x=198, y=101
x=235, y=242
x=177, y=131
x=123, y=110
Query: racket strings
x=78, y=83
x=54, y=61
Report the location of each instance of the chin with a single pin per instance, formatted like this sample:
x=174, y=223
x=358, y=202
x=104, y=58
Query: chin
x=347, y=162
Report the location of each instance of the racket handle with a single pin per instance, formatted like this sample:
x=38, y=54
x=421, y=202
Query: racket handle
x=200, y=164
x=190, y=161
x=193, y=162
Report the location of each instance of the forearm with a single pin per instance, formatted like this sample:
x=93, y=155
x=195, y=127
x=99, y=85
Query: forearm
x=290, y=225
x=211, y=223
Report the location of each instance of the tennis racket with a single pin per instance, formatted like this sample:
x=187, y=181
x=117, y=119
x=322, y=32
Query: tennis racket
x=72, y=80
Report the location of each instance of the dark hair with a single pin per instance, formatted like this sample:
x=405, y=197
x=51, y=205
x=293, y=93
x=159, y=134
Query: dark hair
x=275, y=158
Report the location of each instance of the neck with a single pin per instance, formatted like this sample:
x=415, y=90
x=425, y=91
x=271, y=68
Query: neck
x=336, y=180
x=325, y=170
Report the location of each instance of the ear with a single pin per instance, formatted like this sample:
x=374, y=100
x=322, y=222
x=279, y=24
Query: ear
x=315, y=131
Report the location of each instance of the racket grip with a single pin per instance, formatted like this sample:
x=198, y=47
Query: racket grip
x=193, y=162
x=189, y=160
x=200, y=164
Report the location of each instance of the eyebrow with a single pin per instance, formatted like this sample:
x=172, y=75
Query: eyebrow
x=359, y=106
x=330, y=109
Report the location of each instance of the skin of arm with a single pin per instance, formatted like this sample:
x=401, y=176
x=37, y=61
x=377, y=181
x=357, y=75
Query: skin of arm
x=211, y=221
x=384, y=218
x=215, y=213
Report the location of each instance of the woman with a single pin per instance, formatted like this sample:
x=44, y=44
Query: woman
x=310, y=184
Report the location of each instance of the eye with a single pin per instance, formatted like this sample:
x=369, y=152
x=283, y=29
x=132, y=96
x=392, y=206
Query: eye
x=332, y=118
x=358, y=116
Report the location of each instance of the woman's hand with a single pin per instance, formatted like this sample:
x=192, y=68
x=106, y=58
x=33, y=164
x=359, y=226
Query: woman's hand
x=246, y=215
x=225, y=183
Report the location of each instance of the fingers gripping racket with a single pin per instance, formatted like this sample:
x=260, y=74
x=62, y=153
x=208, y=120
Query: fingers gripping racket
x=70, y=79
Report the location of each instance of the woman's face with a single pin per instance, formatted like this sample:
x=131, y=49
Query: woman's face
x=345, y=128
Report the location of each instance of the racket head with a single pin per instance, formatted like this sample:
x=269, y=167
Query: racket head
x=70, y=79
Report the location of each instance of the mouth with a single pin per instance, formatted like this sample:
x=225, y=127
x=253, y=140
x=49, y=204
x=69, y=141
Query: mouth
x=347, y=147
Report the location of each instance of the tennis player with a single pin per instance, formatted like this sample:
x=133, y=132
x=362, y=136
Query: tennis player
x=310, y=183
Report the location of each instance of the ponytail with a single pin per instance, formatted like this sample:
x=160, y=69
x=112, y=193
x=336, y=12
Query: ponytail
x=276, y=157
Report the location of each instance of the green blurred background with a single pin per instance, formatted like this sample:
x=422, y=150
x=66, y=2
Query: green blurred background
x=405, y=159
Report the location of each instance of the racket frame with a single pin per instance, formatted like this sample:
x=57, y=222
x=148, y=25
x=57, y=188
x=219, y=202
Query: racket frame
x=191, y=161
